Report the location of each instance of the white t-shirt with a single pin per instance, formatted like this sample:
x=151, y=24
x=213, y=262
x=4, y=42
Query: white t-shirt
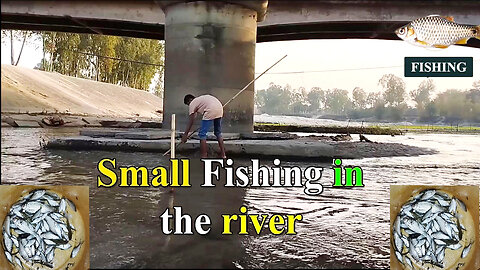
x=208, y=105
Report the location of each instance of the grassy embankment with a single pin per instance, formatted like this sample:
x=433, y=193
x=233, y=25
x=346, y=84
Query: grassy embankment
x=375, y=130
x=438, y=129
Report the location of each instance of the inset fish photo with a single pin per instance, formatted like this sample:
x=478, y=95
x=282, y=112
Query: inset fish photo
x=434, y=227
x=44, y=227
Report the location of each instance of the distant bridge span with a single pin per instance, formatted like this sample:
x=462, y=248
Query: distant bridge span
x=285, y=20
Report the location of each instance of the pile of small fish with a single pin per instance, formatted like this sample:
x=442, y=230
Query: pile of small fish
x=36, y=226
x=426, y=226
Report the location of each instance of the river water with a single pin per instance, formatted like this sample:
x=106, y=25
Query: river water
x=340, y=229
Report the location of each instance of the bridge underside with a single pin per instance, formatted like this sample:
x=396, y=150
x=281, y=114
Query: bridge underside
x=212, y=43
x=278, y=32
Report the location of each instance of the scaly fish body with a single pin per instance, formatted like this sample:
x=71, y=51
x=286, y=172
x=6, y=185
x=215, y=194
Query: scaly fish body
x=9, y=256
x=8, y=242
x=409, y=262
x=64, y=246
x=50, y=256
x=422, y=207
x=414, y=226
x=53, y=226
x=75, y=250
x=63, y=206
x=455, y=246
x=32, y=207
x=436, y=31
x=51, y=201
x=428, y=194
x=466, y=250
x=23, y=226
x=50, y=236
x=19, y=263
x=398, y=242
x=37, y=194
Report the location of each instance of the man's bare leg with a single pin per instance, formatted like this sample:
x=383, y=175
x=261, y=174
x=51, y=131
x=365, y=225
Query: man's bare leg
x=222, y=147
x=203, y=148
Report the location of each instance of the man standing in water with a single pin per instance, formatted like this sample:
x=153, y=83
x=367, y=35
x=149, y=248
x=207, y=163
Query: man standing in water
x=212, y=111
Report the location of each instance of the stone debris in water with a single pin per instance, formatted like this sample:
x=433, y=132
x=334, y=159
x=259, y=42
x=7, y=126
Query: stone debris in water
x=35, y=227
x=426, y=226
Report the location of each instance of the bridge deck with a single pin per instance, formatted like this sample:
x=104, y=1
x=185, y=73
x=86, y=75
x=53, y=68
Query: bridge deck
x=284, y=21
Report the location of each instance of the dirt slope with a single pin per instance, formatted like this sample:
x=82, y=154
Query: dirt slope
x=28, y=90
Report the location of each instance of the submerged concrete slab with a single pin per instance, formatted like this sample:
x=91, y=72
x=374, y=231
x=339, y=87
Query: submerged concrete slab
x=268, y=136
x=27, y=123
x=225, y=136
x=248, y=148
x=134, y=133
x=298, y=149
x=147, y=134
x=98, y=133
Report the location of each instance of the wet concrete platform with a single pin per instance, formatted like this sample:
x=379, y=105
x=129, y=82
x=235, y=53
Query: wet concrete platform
x=248, y=148
x=146, y=134
x=271, y=144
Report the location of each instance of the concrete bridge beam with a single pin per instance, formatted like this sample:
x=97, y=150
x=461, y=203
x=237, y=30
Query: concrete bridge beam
x=210, y=49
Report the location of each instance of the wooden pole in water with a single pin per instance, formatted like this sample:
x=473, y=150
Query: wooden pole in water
x=172, y=147
x=172, y=138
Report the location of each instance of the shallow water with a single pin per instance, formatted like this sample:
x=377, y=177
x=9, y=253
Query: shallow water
x=340, y=229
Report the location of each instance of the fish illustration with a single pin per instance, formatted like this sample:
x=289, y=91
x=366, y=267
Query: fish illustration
x=435, y=31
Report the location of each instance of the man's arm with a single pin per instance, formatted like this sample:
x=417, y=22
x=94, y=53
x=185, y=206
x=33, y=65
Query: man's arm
x=189, y=126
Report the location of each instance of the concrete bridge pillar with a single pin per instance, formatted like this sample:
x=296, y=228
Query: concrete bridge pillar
x=210, y=49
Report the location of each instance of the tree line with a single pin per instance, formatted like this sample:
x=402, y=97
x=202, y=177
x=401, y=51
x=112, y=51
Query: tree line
x=139, y=63
x=131, y=62
x=451, y=106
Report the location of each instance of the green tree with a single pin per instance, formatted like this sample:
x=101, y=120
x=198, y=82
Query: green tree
x=431, y=112
x=451, y=105
x=338, y=102
x=374, y=99
x=421, y=95
x=472, y=105
x=316, y=98
x=298, y=101
x=274, y=100
x=359, y=98
x=144, y=50
x=394, y=89
x=130, y=62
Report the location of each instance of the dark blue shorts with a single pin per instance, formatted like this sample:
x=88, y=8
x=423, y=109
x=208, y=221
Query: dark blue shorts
x=207, y=124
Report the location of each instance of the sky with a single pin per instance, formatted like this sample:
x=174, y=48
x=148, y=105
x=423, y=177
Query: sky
x=350, y=63
x=336, y=63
